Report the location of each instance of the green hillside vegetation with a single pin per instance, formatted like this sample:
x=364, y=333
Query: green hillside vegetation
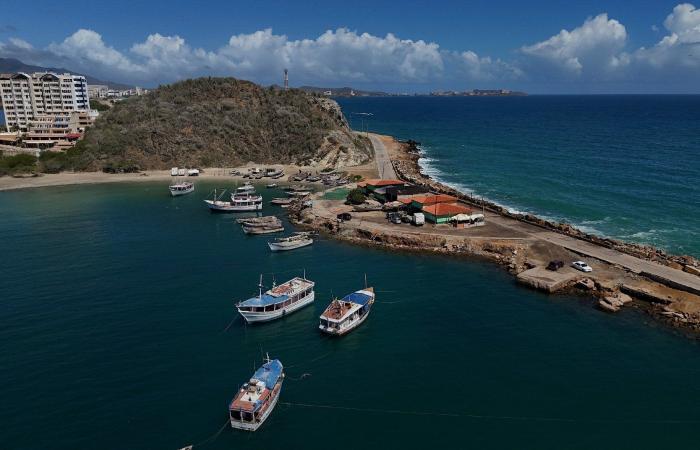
x=216, y=122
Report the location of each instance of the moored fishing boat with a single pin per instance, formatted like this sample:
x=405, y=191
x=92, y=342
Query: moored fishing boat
x=277, y=301
x=263, y=220
x=346, y=314
x=248, y=201
x=256, y=399
x=298, y=193
x=264, y=229
x=271, y=185
x=182, y=188
x=247, y=187
x=297, y=240
x=218, y=205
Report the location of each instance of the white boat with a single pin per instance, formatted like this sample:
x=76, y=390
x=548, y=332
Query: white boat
x=256, y=399
x=346, y=314
x=247, y=187
x=277, y=302
x=298, y=193
x=265, y=229
x=181, y=188
x=271, y=185
x=249, y=201
x=281, y=201
x=292, y=242
x=238, y=203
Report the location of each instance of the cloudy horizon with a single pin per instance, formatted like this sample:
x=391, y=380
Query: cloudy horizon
x=596, y=56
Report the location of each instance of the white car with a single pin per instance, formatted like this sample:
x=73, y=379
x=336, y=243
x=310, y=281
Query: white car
x=582, y=266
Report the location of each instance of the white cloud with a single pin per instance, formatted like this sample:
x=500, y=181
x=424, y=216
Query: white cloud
x=588, y=57
x=87, y=50
x=684, y=22
x=593, y=47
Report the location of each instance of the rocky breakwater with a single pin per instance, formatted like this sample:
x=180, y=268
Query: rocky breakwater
x=408, y=169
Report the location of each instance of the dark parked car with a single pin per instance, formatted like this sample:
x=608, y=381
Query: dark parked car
x=555, y=265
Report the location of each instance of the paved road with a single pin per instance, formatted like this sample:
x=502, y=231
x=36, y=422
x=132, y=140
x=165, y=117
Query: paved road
x=381, y=156
x=637, y=265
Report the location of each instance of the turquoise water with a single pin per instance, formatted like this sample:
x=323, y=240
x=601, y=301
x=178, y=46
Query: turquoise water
x=621, y=166
x=116, y=303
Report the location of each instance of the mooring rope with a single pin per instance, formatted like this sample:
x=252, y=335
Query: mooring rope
x=492, y=417
x=210, y=439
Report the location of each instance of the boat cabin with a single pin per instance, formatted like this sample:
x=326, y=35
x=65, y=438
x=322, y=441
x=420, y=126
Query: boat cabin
x=346, y=313
x=279, y=297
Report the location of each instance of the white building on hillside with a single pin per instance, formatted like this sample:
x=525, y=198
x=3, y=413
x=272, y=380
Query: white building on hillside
x=26, y=97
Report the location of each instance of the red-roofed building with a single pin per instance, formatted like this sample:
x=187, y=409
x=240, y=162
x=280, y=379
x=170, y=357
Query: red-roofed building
x=421, y=201
x=443, y=212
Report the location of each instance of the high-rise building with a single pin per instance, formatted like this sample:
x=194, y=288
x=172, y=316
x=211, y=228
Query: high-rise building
x=26, y=98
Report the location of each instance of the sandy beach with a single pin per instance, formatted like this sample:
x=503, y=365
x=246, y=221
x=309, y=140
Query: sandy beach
x=70, y=178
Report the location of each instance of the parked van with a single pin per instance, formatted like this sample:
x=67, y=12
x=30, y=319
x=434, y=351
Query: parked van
x=173, y=172
x=418, y=219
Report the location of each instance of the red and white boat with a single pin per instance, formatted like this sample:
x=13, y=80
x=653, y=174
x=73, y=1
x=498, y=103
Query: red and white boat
x=256, y=399
x=346, y=314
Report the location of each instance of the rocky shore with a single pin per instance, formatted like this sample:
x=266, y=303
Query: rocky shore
x=410, y=170
x=518, y=250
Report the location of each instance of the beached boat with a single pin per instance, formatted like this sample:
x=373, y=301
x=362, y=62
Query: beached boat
x=265, y=229
x=274, y=173
x=252, y=221
x=181, y=188
x=247, y=187
x=297, y=240
x=278, y=301
x=346, y=314
x=257, y=398
x=281, y=201
x=298, y=193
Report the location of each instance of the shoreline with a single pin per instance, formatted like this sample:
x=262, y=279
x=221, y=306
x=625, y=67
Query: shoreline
x=624, y=273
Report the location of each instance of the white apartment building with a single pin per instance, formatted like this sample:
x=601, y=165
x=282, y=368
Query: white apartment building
x=27, y=97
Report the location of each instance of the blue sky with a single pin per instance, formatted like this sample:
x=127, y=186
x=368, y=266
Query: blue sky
x=539, y=46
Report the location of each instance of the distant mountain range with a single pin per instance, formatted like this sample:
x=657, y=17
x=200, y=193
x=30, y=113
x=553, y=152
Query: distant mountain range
x=344, y=92
x=9, y=65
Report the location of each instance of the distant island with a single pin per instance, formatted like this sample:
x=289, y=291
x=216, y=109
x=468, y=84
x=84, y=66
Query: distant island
x=344, y=92
x=479, y=93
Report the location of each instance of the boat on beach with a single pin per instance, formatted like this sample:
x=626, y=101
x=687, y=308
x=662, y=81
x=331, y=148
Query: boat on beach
x=346, y=314
x=297, y=240
x=256, y=399
x=281, y=201
x=182, y=188
x=264, y=229
x=278, y=301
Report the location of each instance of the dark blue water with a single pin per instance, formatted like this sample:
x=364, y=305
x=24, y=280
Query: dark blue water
x=116, y=304
x=621, y=166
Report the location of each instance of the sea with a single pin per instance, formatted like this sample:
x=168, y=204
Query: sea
x=118, y=331
x=620, y=166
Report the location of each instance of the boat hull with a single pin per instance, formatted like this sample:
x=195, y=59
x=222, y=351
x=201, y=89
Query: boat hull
x=232, y=208
x=248, y=426
x=258, y=317
x=340, y=332
x=177, y=193
x=277, y=247
x=261, y=230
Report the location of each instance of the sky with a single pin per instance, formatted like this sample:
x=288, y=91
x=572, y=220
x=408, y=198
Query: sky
x=546, y=47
